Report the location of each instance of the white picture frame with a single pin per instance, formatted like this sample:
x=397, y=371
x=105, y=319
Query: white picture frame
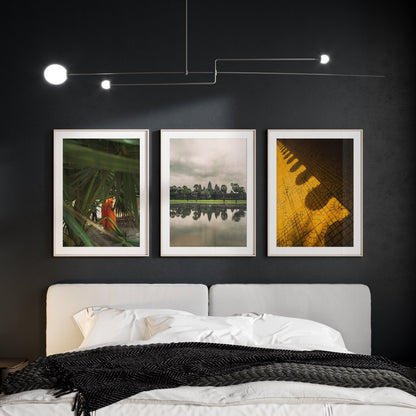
x=315, y=185
x=101, y=236
x=220, y=228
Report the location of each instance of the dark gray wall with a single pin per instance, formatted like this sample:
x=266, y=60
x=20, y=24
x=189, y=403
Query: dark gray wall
x=149, y=35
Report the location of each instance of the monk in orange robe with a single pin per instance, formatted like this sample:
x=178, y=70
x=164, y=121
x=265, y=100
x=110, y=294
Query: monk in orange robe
x=107, y=211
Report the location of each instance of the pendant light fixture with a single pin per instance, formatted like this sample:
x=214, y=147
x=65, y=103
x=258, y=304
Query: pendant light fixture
x=56, y=74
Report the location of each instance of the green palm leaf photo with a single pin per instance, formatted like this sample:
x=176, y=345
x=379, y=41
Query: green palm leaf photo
x=101, y=192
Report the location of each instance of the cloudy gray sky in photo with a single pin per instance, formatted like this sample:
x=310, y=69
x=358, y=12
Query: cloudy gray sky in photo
x=198, y=161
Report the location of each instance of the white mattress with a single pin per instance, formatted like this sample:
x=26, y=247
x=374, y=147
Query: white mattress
x=267, y=398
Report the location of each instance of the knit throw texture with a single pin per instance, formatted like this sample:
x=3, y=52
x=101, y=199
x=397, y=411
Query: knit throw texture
x=106, y=375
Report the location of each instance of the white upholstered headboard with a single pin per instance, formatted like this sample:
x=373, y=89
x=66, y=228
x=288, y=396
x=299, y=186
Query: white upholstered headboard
x=64, y=300
x=345, y=307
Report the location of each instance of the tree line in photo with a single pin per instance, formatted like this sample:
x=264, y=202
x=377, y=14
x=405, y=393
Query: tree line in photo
x=211, y=211
x=234, y=194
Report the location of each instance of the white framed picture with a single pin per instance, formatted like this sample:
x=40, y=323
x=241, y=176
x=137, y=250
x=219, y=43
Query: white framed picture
x=208, y=193
x=315, y=193
x=101, y=193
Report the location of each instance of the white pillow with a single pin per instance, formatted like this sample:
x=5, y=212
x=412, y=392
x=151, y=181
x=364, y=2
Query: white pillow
x=103, y=325
x=274, y=331
x=180, y=328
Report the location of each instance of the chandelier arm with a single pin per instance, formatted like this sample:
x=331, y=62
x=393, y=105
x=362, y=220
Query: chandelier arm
x=244, y=73
x=191, y=72
x=220, y=72
x=164, y=84
x=264, y=59
x=127, y=73
x=300, y=73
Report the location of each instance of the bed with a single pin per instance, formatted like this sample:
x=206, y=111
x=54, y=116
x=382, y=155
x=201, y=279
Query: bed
x=331, y=309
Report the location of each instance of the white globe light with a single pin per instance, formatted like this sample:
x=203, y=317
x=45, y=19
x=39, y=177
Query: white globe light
x=55, y=74
x=324, y=59
x=106, y=84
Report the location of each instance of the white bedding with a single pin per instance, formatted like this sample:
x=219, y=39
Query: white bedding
x=113, y=326
x=266, y=398
x=277, y=398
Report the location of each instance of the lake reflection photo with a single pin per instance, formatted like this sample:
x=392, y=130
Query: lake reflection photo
x=208, y=225
x=207, y=193
x=208, y=199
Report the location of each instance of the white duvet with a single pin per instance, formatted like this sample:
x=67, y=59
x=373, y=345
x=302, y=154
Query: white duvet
x=265, y=398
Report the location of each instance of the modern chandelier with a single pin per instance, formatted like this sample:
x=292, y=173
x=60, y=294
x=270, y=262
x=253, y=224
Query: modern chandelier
x=57, y=74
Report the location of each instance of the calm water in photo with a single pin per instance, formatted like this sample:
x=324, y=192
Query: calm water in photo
x=204, y=225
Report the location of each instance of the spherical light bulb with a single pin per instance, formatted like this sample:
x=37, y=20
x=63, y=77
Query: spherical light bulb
x=324, y=59
x=106, y=84
x=55, y=74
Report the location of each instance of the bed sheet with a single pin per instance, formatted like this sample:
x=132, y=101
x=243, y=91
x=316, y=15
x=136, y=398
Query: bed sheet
x=265, y=398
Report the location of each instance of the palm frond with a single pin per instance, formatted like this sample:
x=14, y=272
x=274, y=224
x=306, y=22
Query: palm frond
x=94, y=170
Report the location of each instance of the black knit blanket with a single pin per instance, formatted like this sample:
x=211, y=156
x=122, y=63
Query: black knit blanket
x=106, y=375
